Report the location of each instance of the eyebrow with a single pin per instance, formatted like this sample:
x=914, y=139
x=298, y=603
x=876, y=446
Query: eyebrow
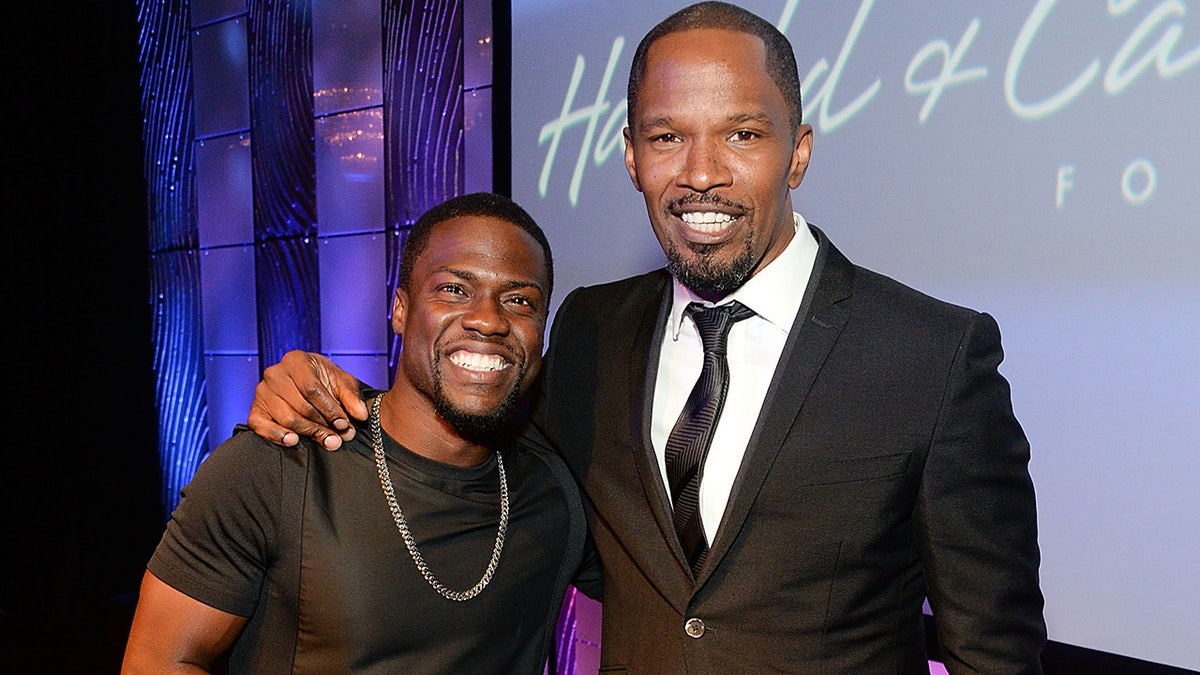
x=741, y=118
x=760, y=117
x=509, y=284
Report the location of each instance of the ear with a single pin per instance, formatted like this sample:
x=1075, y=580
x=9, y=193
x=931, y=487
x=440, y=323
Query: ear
x=800, y=155
x=629, y=163
x=399, y=311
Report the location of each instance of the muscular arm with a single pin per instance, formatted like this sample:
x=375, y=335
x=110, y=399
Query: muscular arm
x=306, y=394
x=173, y=632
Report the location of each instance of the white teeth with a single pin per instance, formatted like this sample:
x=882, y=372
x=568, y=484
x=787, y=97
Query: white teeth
x=474, y=361
x=707, y=221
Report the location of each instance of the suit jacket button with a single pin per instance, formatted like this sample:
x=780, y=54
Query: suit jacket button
x=694, y=627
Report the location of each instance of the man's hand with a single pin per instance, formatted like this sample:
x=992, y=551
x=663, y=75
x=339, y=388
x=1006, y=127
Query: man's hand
x=305, y=394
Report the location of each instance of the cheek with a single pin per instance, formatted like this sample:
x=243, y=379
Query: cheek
x=422, y=337
x=765, y=183
x=654, y=172
x=532, y=341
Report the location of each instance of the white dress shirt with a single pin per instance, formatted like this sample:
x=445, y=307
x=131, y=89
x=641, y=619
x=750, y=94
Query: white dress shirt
x=755, y=344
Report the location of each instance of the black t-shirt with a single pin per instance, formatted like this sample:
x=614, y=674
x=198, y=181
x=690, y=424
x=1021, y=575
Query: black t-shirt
x=302, y=541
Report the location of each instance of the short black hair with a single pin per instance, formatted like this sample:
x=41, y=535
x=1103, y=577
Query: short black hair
x=484, y=204
x=781, y=60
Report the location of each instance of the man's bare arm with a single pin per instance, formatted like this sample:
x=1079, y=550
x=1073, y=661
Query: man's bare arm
x=173, y=632
x=306, y=394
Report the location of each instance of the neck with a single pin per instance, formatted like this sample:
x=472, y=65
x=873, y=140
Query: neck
x=421, y=430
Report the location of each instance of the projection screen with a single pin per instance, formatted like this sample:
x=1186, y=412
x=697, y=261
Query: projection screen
x=1037, y=160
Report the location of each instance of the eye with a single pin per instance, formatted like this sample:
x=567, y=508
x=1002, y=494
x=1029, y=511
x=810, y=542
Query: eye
x=521, y=301
x=452, y=289
x=744, y=135
x=524, y=303
x=665, y=138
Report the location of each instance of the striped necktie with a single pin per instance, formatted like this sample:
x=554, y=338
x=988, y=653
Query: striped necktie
x=688, y=443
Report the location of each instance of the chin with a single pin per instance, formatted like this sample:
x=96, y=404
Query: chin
x=477, y=419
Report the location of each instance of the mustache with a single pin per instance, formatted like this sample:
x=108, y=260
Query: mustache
x=705, y=199
x=448, y=347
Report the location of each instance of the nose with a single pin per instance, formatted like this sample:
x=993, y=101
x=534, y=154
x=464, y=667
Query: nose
x=704, y=166
x=486, y=316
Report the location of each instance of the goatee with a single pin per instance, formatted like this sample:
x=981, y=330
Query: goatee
x=706, y=277
x=484, y=428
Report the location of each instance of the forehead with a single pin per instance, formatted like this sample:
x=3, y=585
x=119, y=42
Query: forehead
x=698, y=66
x=482, y=245
x=721, y=44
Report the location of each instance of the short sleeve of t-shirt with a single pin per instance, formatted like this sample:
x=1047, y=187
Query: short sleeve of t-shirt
x=219, y=541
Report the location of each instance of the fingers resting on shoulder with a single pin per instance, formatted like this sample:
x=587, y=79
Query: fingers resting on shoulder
x=306, y=395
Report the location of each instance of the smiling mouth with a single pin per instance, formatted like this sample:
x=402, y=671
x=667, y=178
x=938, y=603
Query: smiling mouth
x=707, y=225
x=479, y=362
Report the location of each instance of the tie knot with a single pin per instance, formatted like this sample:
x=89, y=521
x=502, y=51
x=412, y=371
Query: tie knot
x=714, y=323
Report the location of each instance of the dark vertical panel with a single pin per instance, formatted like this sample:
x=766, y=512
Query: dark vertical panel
x=502, y=96
x=284, y=170
x=166, y=84
x=423, y=117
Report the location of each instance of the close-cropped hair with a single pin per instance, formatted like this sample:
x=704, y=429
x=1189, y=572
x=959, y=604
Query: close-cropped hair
x=781, y=60
x=478, y=204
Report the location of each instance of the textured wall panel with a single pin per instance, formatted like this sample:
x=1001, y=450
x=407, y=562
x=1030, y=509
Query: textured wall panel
x=423, y=117
x=166, y=84
x=423, y=144
x=220, y=78
x=284, y=169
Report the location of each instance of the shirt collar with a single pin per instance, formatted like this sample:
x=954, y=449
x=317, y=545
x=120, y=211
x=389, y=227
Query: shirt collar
x=774, y=292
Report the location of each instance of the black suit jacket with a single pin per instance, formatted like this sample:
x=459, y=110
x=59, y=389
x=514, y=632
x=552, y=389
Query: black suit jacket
x=886, y=465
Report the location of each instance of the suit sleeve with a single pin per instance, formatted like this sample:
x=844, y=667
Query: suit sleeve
x=588, y=577
x=978, y=520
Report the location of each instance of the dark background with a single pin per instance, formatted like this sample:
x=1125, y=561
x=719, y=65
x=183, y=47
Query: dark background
x=79, y=481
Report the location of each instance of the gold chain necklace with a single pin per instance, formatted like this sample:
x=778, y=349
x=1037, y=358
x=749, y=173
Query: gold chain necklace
x=385, y=480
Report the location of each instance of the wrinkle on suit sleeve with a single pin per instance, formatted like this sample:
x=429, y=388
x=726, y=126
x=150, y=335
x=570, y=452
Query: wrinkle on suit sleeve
x=978, y=519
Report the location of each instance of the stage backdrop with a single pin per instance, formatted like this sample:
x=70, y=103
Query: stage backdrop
x=1038, y=160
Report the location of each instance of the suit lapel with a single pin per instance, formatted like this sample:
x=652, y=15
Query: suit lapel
x=639, y=513
x=820, y=320
x=643, y=374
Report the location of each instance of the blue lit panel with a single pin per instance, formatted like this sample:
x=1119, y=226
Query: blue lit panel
x=181, y=390
x=288, y=285
x=238, y=231
x=347, y=55
x=350, y=174
x=231, y=381
x=367, y=368
x=477, y=140
x=224, y=199
x=222, y=82
x=477, y=44
x=168, y=113
x=208, y=11
x=227, y=299
x=355, y=298
x=423, y=110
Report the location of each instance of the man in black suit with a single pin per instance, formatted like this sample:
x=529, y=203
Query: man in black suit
x=866, y=458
